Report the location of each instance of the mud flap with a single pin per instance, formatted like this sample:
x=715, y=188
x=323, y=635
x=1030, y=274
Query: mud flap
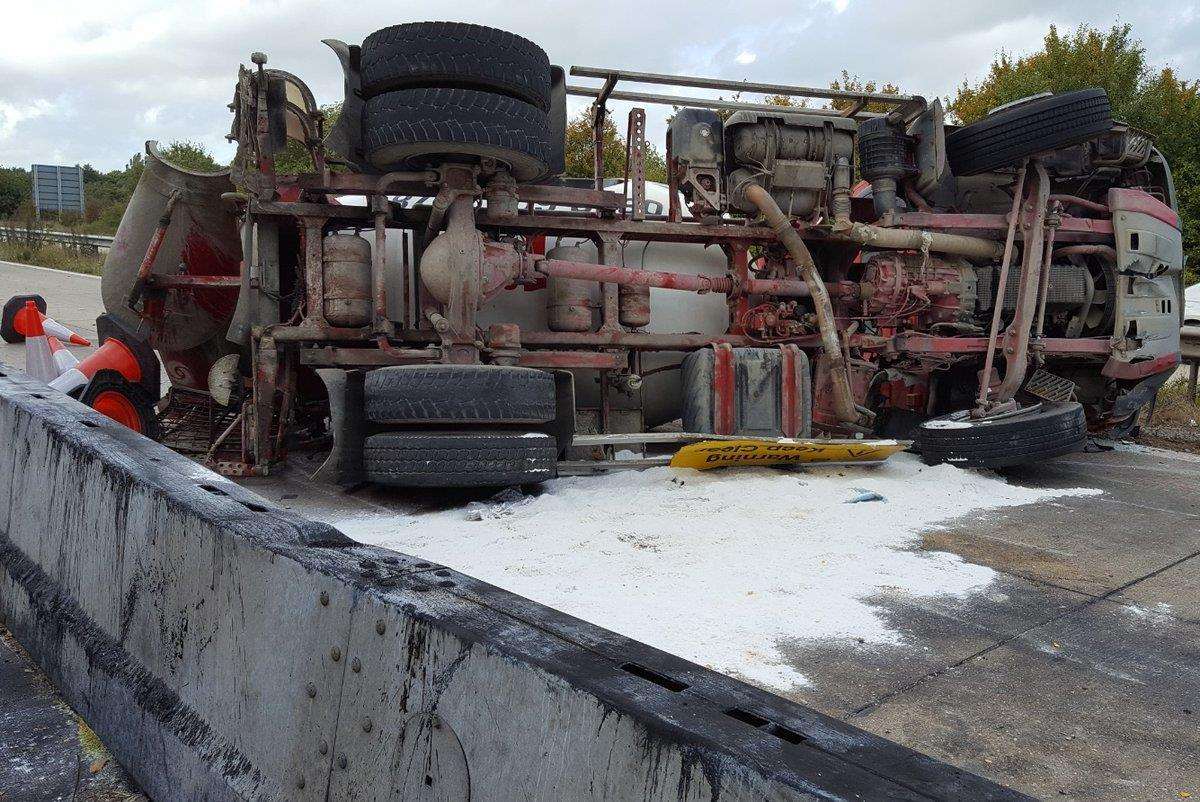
x=345, y=138
x=562, y=428
x=347, y=425
x=1139, y=395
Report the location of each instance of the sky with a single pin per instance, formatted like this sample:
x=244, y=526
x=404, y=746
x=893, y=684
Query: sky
x=112, y=75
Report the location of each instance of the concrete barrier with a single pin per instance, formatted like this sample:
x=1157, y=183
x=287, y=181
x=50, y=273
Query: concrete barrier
x=226, y=649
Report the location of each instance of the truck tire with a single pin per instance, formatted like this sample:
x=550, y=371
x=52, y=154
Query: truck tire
x=455, y=55
x=1050, y=430
x=454, y=394
x=1005, y=137
x=415, y=127
x=8, y=330
x=460, y=459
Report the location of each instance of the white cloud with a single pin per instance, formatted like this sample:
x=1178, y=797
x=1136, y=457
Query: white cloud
x=150, y=115
x=12, y=115
x=126, y=70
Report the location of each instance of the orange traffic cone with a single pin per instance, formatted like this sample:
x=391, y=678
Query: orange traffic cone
x=63, y=358
x=49, y=326
x=39, y=361
x=113, y=355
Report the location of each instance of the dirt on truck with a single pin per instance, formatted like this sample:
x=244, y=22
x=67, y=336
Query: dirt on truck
x=995, y=291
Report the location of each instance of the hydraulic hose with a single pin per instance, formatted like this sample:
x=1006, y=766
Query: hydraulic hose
x=843, y=399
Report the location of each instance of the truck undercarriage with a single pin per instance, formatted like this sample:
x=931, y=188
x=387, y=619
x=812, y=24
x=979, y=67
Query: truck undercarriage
x=859, y=269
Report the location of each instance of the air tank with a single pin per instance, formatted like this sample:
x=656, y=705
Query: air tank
x=633, y=306
x=347, y=278
x=569, y=300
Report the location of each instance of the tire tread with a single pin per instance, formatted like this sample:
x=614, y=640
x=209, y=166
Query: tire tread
x=459, y=459
x=455, y=54
x=1057, y=429
x=430, y=118
x=428, y=394
x=1043, y=125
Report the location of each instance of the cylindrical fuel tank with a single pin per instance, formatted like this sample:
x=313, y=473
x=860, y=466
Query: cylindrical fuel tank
x=569, y=300
x=347, y=274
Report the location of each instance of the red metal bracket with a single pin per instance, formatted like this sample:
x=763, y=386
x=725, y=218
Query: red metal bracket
x=791, y=399
x=724, y=389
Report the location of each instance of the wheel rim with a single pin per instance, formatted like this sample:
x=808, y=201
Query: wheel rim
x=117, y=406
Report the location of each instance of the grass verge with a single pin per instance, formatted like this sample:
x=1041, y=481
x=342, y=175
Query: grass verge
x=47, y=255
x=1176, y=419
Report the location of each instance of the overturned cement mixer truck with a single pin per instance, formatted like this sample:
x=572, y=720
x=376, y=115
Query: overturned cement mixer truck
x=995, y=290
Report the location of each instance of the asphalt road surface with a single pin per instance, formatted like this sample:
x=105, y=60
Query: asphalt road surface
x=1075, y=676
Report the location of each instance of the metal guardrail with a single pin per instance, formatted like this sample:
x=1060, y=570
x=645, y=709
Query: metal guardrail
x=1189, y=348
x=40, y=236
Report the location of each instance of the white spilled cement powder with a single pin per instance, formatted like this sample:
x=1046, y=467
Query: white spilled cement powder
x=719, y=566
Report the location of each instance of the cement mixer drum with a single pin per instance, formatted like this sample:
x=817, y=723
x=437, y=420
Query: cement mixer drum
x=202, y=240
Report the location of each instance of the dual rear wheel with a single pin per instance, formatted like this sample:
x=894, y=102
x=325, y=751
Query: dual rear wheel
x=459, y=426
x=440, y=92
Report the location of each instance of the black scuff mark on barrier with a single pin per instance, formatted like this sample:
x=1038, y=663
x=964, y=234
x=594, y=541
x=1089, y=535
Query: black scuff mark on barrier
x=443, y=677
x=416, y=635
x=59, y=616
x=128, y=606
x=709, y=766
x=652, y=748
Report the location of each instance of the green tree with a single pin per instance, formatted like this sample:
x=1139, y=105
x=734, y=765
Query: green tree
x=190, y=156
x=853, y=83
x=295, y=158
x=580, y=152
x=14, y=188
x=1151, y=98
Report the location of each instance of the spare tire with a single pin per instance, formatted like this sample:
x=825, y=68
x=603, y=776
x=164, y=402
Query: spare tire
x=1005, y=137
x=460, y=459
x=455, y=55
x=438, y=394
x=1049, y=429
x=417, y=127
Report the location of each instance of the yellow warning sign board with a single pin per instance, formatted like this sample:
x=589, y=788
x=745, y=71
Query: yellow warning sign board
x=752, y=451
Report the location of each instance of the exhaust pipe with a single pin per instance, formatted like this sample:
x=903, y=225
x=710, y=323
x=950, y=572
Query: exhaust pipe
x=913, y=240
x=843, y=400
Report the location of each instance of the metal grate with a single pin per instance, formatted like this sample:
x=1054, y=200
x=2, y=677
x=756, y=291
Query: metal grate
x=1048, y=387
x=1068, y=285
x=191, y=421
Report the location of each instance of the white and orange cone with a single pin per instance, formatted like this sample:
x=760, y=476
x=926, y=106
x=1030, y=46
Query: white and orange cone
x=113, y=355
x=39, y=361
x=63, y=358
x=23, y=321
